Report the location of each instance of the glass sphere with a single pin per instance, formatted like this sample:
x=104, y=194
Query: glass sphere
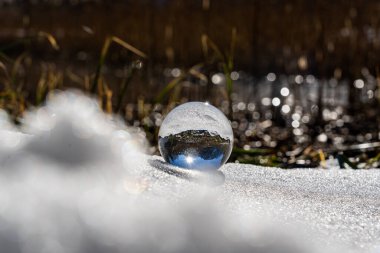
x=196, y=135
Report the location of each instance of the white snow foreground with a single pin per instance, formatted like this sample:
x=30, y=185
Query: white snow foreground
x=78, y=182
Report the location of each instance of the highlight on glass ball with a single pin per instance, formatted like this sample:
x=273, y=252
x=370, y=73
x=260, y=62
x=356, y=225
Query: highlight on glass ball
x=196, y=135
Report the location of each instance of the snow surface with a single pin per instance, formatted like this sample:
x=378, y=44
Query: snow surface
x=79, y=182
x=328, y=210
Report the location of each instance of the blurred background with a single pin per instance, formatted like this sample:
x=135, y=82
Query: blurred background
x=299, y=80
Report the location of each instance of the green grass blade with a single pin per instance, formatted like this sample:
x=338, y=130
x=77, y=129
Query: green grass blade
x=173, y=83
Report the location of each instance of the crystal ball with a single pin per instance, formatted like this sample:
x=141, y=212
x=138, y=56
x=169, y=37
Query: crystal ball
x=196, y=135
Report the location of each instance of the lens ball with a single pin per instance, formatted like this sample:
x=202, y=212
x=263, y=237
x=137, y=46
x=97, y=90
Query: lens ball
x=196, y=135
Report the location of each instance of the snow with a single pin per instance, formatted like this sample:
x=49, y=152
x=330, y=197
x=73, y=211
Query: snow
x=335, y=209
x=79, y=181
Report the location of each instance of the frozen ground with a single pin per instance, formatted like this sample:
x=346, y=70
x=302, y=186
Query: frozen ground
x=78, y=182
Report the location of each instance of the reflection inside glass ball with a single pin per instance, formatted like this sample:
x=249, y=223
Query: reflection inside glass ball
x=196, y=135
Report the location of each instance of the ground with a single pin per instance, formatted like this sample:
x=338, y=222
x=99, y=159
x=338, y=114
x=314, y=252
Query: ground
x=339, y=208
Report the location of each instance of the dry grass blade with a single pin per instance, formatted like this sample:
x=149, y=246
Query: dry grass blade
x=49, y=80
x=173, y=83
x=378, y=83
x=100, y=93
x=5, y=71
x=21, y=105
x=102, y=59
x=195, y=72
x=86, y=82
x=128, y=46
x=108, y=97
x=103, y=55
x=16, y=68
x=207, y=42
x=204, y=45
x=5, y=57
x=322, y=158
x=50, y=38
x=3, y=67
x=74, y=77
x=232, y=48
x=41, y=88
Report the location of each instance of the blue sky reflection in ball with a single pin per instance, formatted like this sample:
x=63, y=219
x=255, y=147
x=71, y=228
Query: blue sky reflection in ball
x=196, y=135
